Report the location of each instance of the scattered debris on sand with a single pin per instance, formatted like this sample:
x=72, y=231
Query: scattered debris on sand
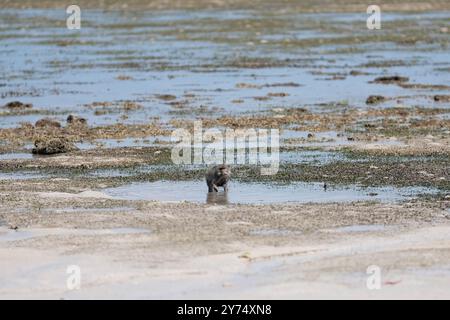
x=261, y=98
x=130, y=105
x=124, y=77
x=278, y=94
x=442, y=98
x=165, y=97
x=243, y=85
x=377, y=143
x=391, y=79
x=358, y=73
x=75, y=120
x=47, y=123
x=423, y=86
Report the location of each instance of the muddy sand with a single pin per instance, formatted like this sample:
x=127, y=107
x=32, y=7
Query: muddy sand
x=180, y=250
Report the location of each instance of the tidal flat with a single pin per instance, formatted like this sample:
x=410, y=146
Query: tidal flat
x=364, y=127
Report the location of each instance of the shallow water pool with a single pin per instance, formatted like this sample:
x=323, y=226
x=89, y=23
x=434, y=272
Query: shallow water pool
x=259, y=193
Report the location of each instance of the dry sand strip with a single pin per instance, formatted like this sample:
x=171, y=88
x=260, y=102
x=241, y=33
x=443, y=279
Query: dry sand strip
x=414, y=263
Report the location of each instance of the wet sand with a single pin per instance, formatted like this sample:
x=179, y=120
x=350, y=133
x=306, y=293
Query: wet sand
x=180, y=251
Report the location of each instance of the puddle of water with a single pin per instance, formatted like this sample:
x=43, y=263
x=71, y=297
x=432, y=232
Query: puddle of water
x=258, y=193
x=19, y=176
x=316, y=157
x=13, y=156
x=7, y=235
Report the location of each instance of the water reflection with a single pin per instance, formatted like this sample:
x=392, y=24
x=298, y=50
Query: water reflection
x=217, y=198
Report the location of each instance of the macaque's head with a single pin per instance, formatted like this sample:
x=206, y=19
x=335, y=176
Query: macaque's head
x=224, y=171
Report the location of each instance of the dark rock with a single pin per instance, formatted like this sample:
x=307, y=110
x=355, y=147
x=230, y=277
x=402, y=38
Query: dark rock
x=47, y=123
x=358, y=73
x=52, y=145
x=375, y=99
x=391, y=79
x=18, y=105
